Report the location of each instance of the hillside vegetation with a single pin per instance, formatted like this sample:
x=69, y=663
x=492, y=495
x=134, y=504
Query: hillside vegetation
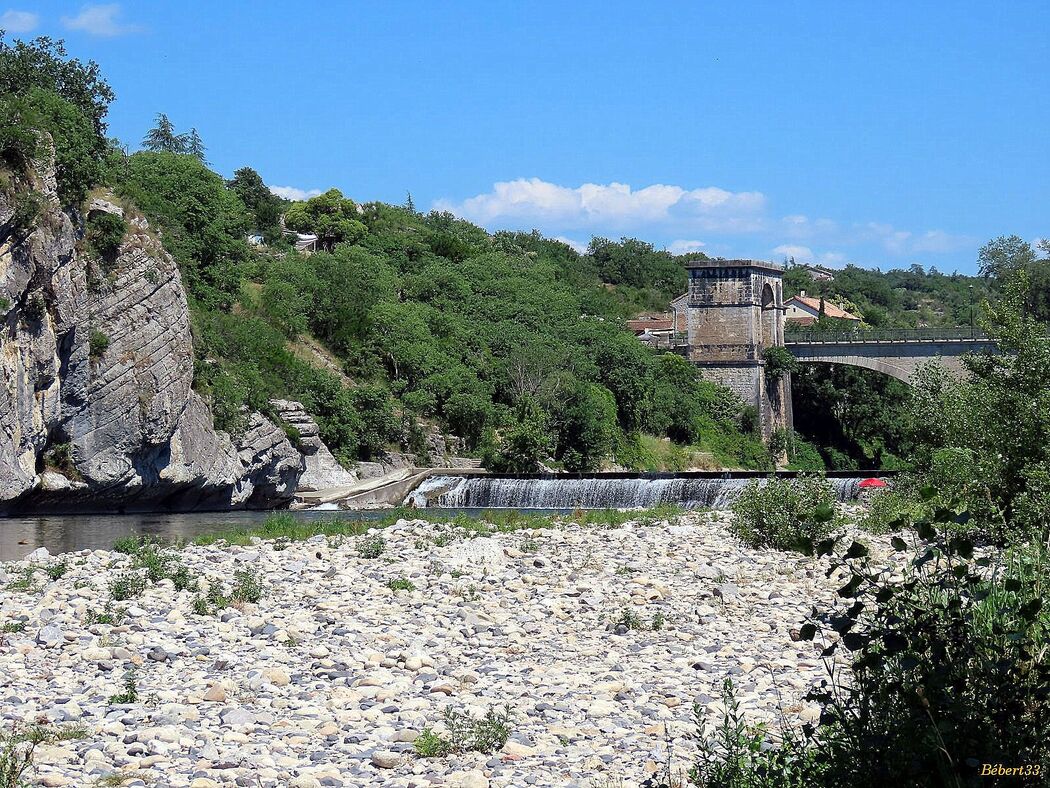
x=511, y=342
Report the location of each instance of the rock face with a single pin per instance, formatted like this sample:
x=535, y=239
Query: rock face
x=322, y=470
x=97, y=409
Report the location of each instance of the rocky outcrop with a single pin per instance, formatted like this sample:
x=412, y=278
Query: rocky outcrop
x=322, y=470
x=97, y=410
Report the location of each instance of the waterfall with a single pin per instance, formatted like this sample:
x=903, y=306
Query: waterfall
x=689, y=492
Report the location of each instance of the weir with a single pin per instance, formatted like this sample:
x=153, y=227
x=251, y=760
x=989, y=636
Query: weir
x=690, y=491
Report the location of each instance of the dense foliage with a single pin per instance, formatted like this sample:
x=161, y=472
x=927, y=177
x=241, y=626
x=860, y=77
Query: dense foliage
x=986, y=439
x=43, y=91
x=784, y=514
x=947, y=657
x=858, y=418
x=898, y=298
x=512, y=342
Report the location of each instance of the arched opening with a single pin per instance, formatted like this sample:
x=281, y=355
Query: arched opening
x=769, y=316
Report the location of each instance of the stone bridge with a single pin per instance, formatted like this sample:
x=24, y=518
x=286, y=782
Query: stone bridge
x=734, y=312
x=897, y=353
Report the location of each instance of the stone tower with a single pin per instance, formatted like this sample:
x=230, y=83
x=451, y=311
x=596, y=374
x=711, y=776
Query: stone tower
x=735, y=311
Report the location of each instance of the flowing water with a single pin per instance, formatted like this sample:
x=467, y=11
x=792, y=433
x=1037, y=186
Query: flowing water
x=689, y=492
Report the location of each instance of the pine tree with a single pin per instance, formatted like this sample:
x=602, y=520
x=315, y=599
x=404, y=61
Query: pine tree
x=162, y=137
x=410, y=205
x=194, y=145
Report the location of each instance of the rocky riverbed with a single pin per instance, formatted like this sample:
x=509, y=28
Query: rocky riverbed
x=332, y=674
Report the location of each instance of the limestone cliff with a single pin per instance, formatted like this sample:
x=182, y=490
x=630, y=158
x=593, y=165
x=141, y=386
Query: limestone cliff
x=96, y=408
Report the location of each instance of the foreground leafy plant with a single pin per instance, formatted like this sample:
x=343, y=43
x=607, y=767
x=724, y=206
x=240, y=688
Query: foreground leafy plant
x=738, y=755
x=949, y=671
x=465, y=733
x=18, y=746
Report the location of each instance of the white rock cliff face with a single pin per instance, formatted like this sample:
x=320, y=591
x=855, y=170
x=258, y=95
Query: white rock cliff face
x=137, y=435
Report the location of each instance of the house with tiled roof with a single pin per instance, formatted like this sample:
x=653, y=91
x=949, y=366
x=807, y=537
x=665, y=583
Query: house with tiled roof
x=805, y=310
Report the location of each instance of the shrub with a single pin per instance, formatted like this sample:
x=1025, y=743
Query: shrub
x=108, y=615
x=778, y=362
x=17, y=747
x=60, y=458
x=739, y=755
x=35, y=308
x=246, y=586
x=105, y=232
x=401, y=584
x=130, y=693
x=948, y=672
x=949, y=668
x=465, y=733
x=371, y=547
x=784, y=514
x=98, y=344
x=56, y=570
x=127, y=586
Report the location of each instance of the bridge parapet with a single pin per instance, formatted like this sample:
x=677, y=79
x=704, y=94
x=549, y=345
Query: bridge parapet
x=885, y=335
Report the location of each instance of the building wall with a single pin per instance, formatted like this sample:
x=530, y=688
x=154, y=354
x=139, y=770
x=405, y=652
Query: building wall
x=735, y=312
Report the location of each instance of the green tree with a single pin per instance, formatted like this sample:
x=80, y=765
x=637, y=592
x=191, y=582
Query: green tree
x=987, y=437
x=44, y=63
x=77, y=149
x=44, y=90
x=586, y=425
x=264, y=206
x=194, y=146
x=205, y=223
x=330, y=216
x=162, y=137
x=1004, y=257
x=525, y=445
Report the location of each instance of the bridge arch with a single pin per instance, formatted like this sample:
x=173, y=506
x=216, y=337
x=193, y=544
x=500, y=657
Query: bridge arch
x=899, y=372
x=899, y=355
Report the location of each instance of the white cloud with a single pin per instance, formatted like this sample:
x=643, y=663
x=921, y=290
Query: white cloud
x=18, y=21
x=579, y=246
x=802, y=254
x=669, y=211
x=685, y=247
x=292, y=193
x=100, y=20
x=611, y=206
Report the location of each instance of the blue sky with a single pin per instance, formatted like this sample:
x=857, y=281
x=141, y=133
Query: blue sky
x=878, y=133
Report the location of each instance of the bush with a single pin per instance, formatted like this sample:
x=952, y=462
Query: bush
x=948, y=672
x=785, y=514
x=779, y=361
x=98, y=344
x=60, y=458
x=739, y=755
x=465, y=733
x=105, y=233
x=371, y=547
x=949, y=667
x=127, y=586
x=246, y=586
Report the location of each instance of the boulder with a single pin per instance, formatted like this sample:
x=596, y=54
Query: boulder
x=321, y=469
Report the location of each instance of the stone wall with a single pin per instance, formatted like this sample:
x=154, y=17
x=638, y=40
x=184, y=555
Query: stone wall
x=735, y=312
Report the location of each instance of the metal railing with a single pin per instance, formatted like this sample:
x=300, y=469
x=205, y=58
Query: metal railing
x=884, y=335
